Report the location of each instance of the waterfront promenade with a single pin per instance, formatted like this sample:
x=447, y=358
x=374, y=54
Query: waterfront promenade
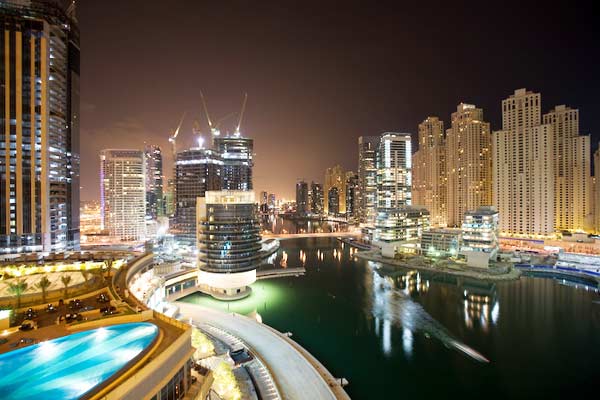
x=297, y=374
x=284, y=236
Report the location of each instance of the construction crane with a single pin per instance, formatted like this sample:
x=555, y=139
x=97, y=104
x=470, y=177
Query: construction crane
x=198, y=133
x=237, y=129
x=173, y=137
x=214, y=128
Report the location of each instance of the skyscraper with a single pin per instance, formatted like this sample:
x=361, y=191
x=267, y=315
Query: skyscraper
x=236, y=153
x=123, y=193
x=398, y=225
x=367, y=179
x=316, y=200
x=154, y=181
x=335, y=191
x=468, y=163
x=572, y=180
x=39, y=75
x=394, y=171
x=596, y=191
x=352, y=194
x=429, y=178
x=197, y=170
x=302, y=205
x=523, y=168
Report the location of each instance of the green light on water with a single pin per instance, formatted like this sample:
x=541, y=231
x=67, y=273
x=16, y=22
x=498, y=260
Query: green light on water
x=265, y=294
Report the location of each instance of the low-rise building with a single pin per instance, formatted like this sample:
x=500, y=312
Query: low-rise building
x=399, y=230
x=480, y=236
x=440, y=242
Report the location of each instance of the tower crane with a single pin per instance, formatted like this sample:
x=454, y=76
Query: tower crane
x=173, y=137
x=237, y=129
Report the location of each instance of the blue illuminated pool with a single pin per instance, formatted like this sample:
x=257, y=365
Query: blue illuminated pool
x=71, y=366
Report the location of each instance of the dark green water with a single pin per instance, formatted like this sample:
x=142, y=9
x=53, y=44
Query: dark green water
x=394, y=336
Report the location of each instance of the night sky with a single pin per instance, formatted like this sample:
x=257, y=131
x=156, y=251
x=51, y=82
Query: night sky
x=319, y=76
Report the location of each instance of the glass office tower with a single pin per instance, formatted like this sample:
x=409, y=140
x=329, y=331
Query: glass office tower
x=39, y=127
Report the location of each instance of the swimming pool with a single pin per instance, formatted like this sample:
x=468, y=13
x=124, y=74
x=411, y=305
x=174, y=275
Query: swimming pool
x=71, y=366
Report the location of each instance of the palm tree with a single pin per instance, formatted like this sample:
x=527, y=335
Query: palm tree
x=17, y=288
x=108, y=264
x=66, y=279
x=86, y=275
x=43, y=284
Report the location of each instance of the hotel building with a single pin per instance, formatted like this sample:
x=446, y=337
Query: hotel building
x=123, y=193
x=429, y=178
x=468, y=163
x=39, y=132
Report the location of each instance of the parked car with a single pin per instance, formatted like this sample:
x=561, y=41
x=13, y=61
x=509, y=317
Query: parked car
x=28, y=325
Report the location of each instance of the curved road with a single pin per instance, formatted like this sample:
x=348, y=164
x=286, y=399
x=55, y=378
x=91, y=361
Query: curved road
x=297, y=377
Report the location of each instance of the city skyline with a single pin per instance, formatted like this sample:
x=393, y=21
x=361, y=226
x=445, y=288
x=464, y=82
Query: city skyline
x=319, y=108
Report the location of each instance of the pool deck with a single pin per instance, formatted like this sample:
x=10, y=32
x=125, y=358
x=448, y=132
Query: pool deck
x=297, y=374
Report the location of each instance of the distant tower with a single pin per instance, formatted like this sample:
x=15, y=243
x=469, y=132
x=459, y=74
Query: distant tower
x=123, y=193
x=335, y=191
x=352, y=194
x=367, y=179
x=302, y=205
x=154, y=181
x=39, y=192
x=316, y=201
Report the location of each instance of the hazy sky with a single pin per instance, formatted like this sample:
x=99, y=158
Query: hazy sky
x=318, y=76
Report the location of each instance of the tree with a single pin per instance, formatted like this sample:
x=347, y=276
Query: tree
x=66, y=280
x=109, y=263
x=43, y=284
x=86, y=275
x=17, y=288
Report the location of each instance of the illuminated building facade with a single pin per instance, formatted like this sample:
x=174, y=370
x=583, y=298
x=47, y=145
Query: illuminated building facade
x=335, y=191
x=228, y=243
x=39, y=132
x=523, y=168
x=123, y=193
x=236, y=154
x=367, y=179
x=399, y=230
x=154, y=182
x=429, y=171
x=302, y=204
x=468, y=163
x=352, y=194
x=316, y=198
x=572, y=180
x=596, y=190
x=440, y=242
x=394, y=171
x=480, y=236
x=196, y=171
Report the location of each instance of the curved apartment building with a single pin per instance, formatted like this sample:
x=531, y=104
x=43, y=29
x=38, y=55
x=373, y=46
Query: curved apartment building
x=228, y=243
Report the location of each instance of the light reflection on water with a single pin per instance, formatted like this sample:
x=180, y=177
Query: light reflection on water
x=391, y=303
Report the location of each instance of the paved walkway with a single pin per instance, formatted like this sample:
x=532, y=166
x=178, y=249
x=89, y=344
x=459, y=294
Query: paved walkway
x=297, y=377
